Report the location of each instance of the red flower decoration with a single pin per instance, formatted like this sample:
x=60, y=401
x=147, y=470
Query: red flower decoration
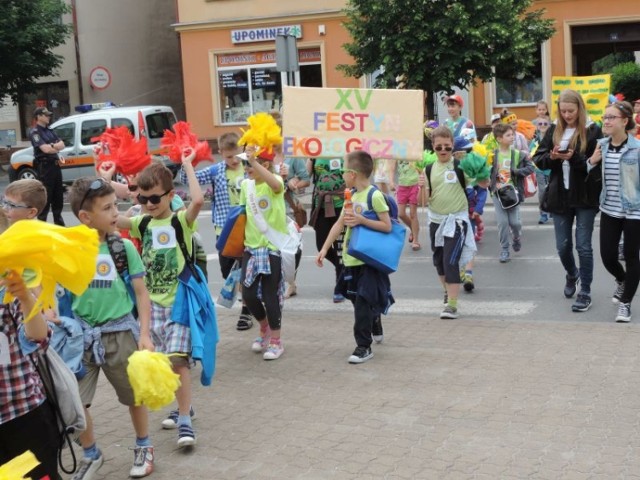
x=182, y=137
x=119, y=146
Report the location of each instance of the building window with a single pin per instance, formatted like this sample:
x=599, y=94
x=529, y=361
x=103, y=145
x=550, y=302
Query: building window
x=248, y=83
x=520, y=90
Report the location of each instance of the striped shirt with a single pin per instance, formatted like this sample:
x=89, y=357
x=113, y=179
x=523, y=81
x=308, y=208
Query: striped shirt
x=612, y=205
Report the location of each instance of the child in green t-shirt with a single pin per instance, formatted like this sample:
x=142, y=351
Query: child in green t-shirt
x=359, y=278
x=164, y=260
x=262, y=280
x=449, y=230
x=106, y=307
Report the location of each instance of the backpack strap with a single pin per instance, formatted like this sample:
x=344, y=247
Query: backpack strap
x=188, y=258
x=144, y=223
x=115, y=244
x=456, y=168
x=461, y=122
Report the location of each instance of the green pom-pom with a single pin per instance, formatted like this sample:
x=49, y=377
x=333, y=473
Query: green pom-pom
x=475, y=166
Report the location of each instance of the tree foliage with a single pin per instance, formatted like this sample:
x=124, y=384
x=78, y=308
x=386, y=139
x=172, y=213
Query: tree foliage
x=625, y=79
x=438, y=44
x=29, y=31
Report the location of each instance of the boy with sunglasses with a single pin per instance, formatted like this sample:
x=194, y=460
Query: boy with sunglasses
x=105, y=312
x=450, y=232
x=164, y=261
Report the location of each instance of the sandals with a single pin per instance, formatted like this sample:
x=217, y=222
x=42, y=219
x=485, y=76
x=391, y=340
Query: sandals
x=415, y=246
x=245, y=322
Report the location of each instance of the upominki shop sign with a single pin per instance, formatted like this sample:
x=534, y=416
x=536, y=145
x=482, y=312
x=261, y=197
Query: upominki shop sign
x=330, y=122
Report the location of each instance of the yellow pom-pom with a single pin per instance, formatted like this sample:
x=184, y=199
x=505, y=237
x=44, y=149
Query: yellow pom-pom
x=263, y=132
x=153, y=381
x=17, y=468
x=54, y=254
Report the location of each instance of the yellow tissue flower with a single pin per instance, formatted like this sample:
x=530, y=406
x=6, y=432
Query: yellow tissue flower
x=17, y=468
x=153, y=381
x=54, y=254
x=263, y=132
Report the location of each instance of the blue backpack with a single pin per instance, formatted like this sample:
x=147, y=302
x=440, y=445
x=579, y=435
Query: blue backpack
x=391, y=202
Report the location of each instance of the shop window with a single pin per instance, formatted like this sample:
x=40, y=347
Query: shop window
x=249, y=83
x=246, y=91
x=518, y=90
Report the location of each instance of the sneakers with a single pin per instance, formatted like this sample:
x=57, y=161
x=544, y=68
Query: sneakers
x=361, y=355
x=88, y=467
x=582, y=303
x=171, y=421
x=544, y=218
x=377, y=333
x=516, y=244
x=624, y=313
x=449, y=312
x=274, y=351
x=570, y=285
x=504, y=256
x=467, y=282
x=260, y=343
x=186, y=436
x=617, y=295
x=338, y=298
x=142, y=462
x=245, y=322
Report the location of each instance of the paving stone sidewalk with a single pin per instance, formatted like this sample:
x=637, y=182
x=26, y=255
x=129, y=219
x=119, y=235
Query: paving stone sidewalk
x=461, y=399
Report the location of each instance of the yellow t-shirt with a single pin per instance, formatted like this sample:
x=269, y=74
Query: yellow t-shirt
x=360, y=206
x=272, y=207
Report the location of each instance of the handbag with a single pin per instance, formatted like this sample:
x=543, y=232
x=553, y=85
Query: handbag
x=380, y=250
x=299, y=212
x=230, y=242
x=530, y=185
x=507, y=196
x=229, y=291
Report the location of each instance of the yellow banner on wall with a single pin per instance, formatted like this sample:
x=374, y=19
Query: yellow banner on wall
x=594, y=90
x=330, y=122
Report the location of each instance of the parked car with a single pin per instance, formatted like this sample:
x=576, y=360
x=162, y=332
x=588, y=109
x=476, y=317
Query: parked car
x=77, y=131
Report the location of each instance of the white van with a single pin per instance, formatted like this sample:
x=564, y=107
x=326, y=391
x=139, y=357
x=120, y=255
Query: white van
x=77, y=132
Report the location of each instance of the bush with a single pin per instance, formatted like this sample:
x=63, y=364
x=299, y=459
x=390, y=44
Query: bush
x=606, y=63
x=625, y=79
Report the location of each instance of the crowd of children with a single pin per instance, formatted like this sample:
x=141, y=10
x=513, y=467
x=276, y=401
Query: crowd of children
x=131, y=302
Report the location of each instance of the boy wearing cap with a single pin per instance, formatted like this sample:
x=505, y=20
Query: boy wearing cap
x=457, y=122
x=46, y=145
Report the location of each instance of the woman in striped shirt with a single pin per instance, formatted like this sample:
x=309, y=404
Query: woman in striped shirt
x=619, y=153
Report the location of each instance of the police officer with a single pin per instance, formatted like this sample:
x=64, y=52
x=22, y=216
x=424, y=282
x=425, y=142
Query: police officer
x=46, y=146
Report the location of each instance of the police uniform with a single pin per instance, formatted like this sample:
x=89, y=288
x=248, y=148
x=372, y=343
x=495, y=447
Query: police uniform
x=47, y=166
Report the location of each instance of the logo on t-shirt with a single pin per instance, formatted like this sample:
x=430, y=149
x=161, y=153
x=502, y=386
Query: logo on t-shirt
x=264, y=203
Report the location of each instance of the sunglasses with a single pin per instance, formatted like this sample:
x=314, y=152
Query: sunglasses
x=132, y=188
x=440, y=148
x=95, y=186
x=153, y=199
x=7, y=205
x=543, y=124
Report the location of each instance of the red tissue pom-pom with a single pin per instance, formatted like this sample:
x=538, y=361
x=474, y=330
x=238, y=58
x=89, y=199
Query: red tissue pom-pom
x=182, y=137
x=119, y=146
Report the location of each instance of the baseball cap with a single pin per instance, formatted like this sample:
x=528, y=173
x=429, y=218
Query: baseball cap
x=495, y=117
x=461, y=144
x=42, y=111
x=454, y=98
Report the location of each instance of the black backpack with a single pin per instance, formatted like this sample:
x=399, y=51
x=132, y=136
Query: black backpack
x=456, y=168
x=197, y=256
x=115, y=244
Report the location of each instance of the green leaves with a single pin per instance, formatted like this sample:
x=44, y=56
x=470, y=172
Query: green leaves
x=29, y=31
x=441, y=43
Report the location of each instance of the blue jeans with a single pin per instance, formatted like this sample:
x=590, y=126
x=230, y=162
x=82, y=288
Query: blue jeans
x=563, y=225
